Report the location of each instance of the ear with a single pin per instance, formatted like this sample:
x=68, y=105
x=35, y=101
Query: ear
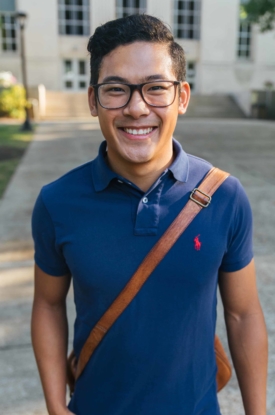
x=92, y=101
x=184, y=97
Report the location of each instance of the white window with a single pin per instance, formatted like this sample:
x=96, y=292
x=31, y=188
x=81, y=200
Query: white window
x=244, y=41
x=187, y=19
x=126, y=7
x=75, y=74
x=191, y=75
x=8, y=29
x=74, y=17
x=244, y=36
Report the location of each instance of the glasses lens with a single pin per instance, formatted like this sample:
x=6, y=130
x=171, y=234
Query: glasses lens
x=159, y=93
x=113, y=95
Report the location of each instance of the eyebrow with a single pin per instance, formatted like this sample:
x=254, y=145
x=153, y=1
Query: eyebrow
x=113, y=78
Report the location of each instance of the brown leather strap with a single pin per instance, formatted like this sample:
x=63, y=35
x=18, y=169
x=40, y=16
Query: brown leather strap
x=201, y=197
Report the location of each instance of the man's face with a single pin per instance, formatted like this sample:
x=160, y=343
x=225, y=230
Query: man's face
x=134, y=64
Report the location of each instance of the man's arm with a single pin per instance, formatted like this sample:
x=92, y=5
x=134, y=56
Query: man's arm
x=247, y=335
x=50, y=337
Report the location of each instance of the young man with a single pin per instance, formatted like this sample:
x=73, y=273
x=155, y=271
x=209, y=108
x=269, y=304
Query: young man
x=96, y=224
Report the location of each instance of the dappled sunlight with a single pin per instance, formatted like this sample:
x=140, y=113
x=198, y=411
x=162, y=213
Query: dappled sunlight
x=14, y=277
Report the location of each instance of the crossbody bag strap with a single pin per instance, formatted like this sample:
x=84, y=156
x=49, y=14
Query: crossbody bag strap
x=200, y=198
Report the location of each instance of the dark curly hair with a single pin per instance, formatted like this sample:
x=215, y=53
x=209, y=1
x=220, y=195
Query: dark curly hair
x=126, y=30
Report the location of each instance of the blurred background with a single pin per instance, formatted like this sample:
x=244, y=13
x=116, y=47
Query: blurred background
x=229, y=59
x=46, y=130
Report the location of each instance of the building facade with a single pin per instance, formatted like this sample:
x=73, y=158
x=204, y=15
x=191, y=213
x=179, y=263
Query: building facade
x=224, y=53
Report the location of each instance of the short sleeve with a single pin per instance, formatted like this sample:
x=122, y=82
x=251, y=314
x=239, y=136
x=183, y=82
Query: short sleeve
x=47, y=254
x=239, y=251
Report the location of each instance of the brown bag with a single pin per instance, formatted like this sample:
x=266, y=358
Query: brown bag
x=200, y=198
x=224, y=371
x=223, y=375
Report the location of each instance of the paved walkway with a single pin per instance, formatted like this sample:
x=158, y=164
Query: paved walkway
x=245, y=148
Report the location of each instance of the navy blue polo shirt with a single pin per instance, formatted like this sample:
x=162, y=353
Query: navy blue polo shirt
x=158, y=357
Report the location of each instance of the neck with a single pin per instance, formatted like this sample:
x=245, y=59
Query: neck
x=143, y=175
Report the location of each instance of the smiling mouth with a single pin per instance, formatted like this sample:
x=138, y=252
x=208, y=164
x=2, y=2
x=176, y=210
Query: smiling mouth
x=138, y=131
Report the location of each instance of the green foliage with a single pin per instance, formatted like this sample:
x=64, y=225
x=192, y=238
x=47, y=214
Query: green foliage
x=12, y=136
x=13, y=143
x=12, y=102
x=261, y=12
x=7, y=169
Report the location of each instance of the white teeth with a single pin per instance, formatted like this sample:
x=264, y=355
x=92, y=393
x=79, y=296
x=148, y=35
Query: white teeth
x=141, y=131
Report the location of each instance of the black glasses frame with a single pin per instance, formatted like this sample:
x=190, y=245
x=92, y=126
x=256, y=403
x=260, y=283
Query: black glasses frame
x=134, y=87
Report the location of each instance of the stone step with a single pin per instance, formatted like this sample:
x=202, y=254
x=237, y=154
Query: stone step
x=213, y=106
x=66, y=105
x=75, y=105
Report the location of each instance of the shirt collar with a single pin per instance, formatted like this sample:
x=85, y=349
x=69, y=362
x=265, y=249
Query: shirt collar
x=180, y=166
x=103, y=175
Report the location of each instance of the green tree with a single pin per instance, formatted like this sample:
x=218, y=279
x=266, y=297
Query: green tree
x=261, y=12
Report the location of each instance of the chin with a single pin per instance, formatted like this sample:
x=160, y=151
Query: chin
x=138, y=158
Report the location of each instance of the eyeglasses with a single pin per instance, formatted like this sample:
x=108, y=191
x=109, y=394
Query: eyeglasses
x=113, y=95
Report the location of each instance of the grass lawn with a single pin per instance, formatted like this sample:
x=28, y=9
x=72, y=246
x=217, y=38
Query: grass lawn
x=13, y=144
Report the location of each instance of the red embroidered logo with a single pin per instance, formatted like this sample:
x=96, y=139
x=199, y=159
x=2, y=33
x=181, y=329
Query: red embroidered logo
x=197, y=243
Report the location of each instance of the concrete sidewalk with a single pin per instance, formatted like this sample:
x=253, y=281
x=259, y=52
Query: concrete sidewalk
x=245, y=148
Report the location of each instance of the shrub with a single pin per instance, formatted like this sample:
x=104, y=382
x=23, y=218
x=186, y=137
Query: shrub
x=12, y=102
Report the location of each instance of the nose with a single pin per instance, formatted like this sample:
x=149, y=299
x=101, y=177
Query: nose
x=136, y=107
